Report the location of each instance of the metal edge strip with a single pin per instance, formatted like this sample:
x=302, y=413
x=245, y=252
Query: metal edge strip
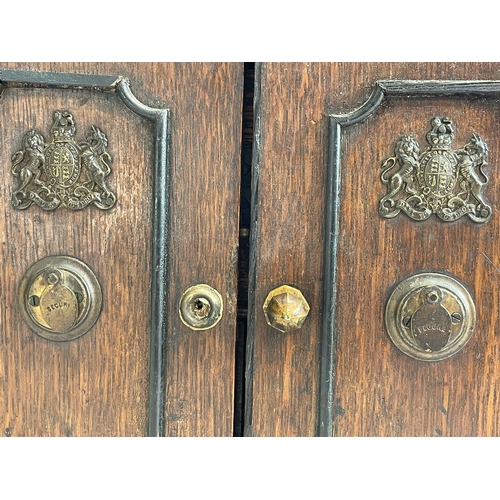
x=159, y=265
x=324, y=426
x=161, y=190
x=45, y=79
x=417, y=88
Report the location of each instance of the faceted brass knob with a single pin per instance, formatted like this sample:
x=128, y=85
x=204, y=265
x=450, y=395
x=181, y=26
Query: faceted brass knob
x=286, y=309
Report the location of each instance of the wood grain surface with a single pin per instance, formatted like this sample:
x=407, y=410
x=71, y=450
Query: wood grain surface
x=204, y=245
x=285, y=247
x=378, y=391
x=97, y=385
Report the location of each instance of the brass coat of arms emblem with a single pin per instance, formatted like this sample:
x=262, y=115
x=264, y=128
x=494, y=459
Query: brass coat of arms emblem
x=62, y=172
x=440, y=180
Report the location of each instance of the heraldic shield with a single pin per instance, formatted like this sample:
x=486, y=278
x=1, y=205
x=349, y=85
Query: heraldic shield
x=62, y=172
x=447, y=183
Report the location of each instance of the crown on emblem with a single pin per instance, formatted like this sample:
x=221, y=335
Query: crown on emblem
x=442, y=133
x=63, y=129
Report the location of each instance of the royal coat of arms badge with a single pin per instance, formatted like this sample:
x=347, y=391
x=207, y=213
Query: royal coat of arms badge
x=62, y=172
x=440, y=180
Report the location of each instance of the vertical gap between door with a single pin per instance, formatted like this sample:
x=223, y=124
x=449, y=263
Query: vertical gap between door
x=244, y=248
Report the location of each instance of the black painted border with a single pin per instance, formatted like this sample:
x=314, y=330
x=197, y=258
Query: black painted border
x=336, y=124
x=161, y=184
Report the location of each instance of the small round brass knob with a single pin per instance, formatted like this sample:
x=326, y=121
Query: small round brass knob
x=200, y=307
x=285, y=308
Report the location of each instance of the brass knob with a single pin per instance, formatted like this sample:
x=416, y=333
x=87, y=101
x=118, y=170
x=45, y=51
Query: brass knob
x=200, y=307
x=285, y=308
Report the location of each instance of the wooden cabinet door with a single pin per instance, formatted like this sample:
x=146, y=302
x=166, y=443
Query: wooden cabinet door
x=173, y=135
x=324, y=133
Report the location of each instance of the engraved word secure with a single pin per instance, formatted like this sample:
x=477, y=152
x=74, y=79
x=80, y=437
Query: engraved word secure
x=62, y=172
x=447, y=183
x=60, y=298
x=430, y=316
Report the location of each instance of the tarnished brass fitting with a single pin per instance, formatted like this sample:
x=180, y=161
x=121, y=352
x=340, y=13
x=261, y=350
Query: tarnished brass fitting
x=286, y=309
x=200, y=307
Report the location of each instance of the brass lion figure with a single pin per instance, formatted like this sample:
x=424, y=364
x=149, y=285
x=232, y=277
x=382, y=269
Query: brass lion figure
x=406, y=153
x=471, y=160
x=27, y=165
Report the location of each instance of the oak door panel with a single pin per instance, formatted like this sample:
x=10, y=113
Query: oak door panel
x=379, y=390
x=98, y=384
x=204, y=239
x=285, y=247
x=368, y=388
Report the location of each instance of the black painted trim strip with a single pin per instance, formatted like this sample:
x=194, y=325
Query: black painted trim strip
x=327, y=365
x=35, y=79
x=418, y=88
x=159, y=265
x=439, y=87
x=161, y=190
x=381, y=89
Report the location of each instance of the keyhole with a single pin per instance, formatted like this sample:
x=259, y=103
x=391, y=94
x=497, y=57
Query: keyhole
x=201, y=307
x=34, y=301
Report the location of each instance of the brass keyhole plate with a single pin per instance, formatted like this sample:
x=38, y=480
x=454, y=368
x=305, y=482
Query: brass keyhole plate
x=430, y=316
x=200, y=307
x=60, y=298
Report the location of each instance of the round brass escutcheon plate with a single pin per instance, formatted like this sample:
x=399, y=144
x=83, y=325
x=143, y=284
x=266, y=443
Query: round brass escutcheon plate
x=60, y=298
x=430, y=316
x=200, y=307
